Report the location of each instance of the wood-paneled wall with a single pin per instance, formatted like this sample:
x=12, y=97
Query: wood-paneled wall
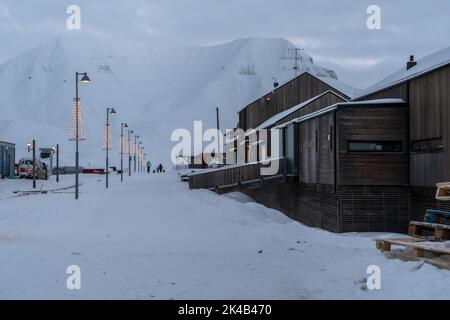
x=374, y=123
x=285, y=97
x=429, y=103
x=230, y=176
x=426, y=169
x=326, y=100
x=316, y=153
x=350, y=209
x=399, y=91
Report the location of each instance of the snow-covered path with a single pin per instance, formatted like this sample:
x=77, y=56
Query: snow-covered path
x=152, y=238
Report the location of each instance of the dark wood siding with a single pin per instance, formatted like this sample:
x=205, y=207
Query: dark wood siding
x=291, y=94
x=316, y=153
x=350, y=209
x=427, y=169
x=374, y=123
x=326, y=100
x=232, y=176
x=429, y=102
x=399, y=91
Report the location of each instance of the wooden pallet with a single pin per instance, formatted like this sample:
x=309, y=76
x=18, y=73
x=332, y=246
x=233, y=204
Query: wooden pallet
x=385, y=245
x=440, y=232
x=443, y=191
x=420, y=251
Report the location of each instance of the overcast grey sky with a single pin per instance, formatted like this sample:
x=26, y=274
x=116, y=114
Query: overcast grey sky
x=334, y=32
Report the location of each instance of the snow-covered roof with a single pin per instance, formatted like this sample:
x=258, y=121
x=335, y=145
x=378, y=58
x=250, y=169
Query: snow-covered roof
x=334, y=83
x=279, y=116
x=7, y=143
x=424, y=65
x=339, y=105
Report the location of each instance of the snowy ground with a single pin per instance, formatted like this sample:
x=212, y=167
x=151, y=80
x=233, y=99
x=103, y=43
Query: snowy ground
x=152, y=238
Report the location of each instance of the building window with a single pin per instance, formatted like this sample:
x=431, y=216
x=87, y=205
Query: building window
x=427, y=146
x=375, y=146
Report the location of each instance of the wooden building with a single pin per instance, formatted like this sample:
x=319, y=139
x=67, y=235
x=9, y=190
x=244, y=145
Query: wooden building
x=424, y=85
x=368, y=164
x=298, y=90
x=352, y=160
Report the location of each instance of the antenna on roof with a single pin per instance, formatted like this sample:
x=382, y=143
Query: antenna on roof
x=275, y=83
x=296, y=56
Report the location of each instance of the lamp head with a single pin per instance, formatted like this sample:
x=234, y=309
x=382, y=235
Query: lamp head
x=113, y=112
x=125, y=125
x=85, y=79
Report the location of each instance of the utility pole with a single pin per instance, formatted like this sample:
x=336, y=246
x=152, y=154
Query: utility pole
x=34, y=164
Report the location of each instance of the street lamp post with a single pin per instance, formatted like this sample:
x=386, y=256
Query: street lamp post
x=109, y=111
x=123, y=125
x=130, y=132
x=57, y=163
x=85, y=79
x=34, y=164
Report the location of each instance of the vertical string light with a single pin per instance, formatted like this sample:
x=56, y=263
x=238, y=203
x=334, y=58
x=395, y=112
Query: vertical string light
x=73, y=128
x=123, y=142
x=107, y=135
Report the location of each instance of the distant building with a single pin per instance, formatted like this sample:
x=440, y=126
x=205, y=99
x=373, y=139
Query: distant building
x=7, y=159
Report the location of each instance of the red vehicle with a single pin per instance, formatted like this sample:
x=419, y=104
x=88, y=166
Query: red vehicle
x=94, y=171
x=25, y=169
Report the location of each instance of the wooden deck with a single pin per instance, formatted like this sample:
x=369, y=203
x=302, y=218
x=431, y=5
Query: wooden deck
x=235, y=177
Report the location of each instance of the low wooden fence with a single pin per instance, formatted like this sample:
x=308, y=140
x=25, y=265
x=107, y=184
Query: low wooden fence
x=234, y=176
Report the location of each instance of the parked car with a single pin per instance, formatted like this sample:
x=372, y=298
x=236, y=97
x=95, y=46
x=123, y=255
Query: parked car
x=26, y=169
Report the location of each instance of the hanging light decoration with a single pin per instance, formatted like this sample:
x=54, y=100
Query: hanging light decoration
x=73, y=128
x=107, y=137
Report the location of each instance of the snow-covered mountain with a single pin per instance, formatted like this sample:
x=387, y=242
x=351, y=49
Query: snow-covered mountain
x=155, y=87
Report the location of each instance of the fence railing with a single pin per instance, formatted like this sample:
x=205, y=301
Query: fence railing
x=234, y=176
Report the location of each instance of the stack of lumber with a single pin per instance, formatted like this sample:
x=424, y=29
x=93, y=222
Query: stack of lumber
x=428, y=241
x=416, y=249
